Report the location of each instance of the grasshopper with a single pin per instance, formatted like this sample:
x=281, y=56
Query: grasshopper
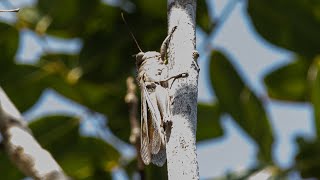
x=155, y=83
x=156, y=121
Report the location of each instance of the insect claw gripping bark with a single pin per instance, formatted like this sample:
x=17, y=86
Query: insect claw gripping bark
x=156, y=115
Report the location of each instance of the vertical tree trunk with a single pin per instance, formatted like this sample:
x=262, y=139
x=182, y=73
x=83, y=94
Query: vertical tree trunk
x=181, y=147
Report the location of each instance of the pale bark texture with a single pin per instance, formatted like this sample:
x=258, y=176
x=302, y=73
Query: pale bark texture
x=23, y=149
x=181, y=146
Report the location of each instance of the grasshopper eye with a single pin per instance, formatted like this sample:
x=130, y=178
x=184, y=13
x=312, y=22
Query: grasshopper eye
x=139, y=58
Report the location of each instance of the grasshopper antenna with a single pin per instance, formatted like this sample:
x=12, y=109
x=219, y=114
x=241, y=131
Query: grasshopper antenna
x=135, y=40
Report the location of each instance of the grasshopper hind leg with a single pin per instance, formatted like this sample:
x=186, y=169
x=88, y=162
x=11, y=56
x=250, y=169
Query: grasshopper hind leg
x=160, y=158
x=154, y=136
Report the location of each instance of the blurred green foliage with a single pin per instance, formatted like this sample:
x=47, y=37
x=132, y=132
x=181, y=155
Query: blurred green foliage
x=291, y=24
x=95, y=77
x=288, y=82
x=241, y=103
x=294, y=25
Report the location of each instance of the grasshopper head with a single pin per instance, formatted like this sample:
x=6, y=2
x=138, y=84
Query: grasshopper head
x=139, y=58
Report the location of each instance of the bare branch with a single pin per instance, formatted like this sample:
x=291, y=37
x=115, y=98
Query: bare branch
x=23, y=149
x=10, y=10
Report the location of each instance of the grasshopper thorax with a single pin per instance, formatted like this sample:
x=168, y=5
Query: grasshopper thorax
x=142, y=56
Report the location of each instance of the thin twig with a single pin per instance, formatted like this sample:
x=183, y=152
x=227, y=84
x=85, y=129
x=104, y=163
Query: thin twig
x=10, y=10
x=132, y=100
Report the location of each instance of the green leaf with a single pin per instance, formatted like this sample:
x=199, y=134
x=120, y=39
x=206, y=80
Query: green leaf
x=107, y=99
x=203, y=17
x=314, y=81
x=11, y=172
x=308, y=158
x=208, y=124
x=21, y=83
x=150, y=172
x=89, y=158
x=9, y=42
x=289, y=82
x=55, y=132
x=156, y=173
x=59, y=62
x=80, y=157
x=118, y=121
x=131, y=168
x=291, y=24
x=63, y=75
x=153, y=9
x=101, y=59
x=29, y=17
x=256, y=123
x=227, y=84
x=240, y=102
x=68, y=16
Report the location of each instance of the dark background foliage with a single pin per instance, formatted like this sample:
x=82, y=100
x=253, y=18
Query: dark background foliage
x=95, y=78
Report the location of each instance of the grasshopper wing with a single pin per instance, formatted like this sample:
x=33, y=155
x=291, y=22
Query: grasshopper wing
x=154, y=121
x=150, y=126
x=145, y=148
x=156, y=132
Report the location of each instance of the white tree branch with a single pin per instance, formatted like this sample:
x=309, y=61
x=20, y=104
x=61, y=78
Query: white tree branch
x=181, y=147
x=22, y=148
